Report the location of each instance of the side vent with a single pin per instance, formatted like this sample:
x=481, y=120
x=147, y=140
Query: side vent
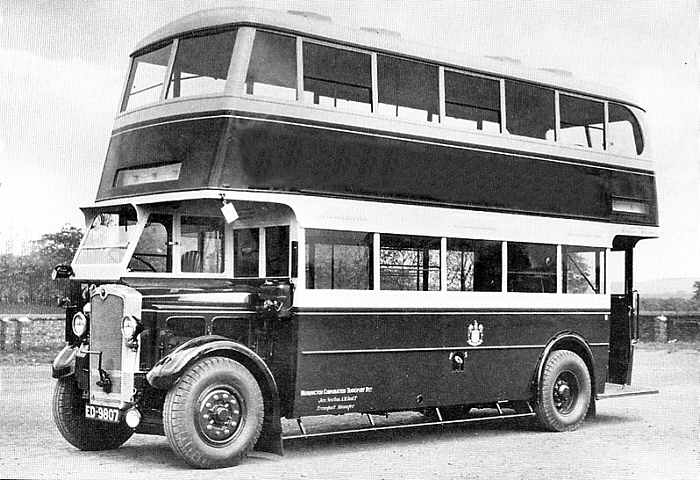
x=504, y=59
x=310, y=15
x=557, y=71
x=381, y=31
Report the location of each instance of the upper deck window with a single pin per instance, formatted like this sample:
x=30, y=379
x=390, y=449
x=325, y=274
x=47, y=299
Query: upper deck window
x=582, y=122
x=337, y=78
x=273, y=67
x=624, y=132
x=201, y=65
x=146, y=78
x=407, y=89
x=472, y=103
x=529, y=110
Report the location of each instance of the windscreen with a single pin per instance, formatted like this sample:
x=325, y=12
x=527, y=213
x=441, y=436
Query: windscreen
x=108, y=237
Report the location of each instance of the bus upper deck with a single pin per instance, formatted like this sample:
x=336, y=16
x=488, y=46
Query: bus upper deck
x=290, y=102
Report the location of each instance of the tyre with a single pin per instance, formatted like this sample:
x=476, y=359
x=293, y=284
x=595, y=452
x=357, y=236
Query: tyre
x=213, y=415
x=564, y=392
x=69, y=416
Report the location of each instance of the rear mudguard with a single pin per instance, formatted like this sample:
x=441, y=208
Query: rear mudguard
x=64, y=363
x=575, y=342
x=168, y=370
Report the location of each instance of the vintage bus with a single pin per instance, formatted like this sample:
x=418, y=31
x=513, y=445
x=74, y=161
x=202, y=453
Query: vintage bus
x=299, y=219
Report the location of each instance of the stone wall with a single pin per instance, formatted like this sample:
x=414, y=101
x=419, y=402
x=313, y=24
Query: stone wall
x=669, y=326
x=32, y=333
x=46, y=332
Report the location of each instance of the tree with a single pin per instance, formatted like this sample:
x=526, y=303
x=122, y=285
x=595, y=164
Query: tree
x=60, y=247
x=27, y=278
x=696, y=295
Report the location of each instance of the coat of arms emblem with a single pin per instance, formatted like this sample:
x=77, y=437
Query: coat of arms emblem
x=475, y=334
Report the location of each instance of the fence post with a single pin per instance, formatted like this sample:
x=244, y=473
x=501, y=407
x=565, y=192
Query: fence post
x=661, y=329
x=3, y=332
x=18, y=336
x=22, y=322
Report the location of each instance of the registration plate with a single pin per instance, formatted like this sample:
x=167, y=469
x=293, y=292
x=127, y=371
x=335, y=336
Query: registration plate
x=104, y=414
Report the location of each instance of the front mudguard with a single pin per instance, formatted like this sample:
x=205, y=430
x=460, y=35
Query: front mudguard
x=166, y=372
x=64, y=363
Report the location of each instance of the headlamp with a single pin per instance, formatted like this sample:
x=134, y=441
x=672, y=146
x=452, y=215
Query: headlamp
x=79, y=324
x=129, y=328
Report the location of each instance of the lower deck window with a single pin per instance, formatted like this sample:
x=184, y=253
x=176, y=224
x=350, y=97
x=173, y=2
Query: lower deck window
x=246, y=255
x=532, y=267
x=409, y=263
x=582, y=269
x=277, y=251
x=202, y=244
x=338, y=259
x=473, y=265
x=246, y=247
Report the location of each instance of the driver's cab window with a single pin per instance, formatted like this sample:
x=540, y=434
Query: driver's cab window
x=153, y=251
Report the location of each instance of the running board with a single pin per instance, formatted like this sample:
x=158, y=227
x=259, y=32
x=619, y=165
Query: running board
x=614, y=390
x=374, y=427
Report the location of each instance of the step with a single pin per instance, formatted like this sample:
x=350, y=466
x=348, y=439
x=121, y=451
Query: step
x=614, y=390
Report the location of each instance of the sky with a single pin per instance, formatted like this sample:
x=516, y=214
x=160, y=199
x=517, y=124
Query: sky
x=63, y=64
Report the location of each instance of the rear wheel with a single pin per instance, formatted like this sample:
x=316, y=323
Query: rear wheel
x=213, y=415
x=564, y=392
x=69, y=416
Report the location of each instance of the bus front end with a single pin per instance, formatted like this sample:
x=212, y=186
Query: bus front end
x=155, y=311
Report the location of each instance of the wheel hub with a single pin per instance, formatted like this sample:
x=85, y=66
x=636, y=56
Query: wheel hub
x=219, y=416
x=565, y=392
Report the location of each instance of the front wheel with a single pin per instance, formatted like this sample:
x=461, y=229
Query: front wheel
x=564, y=392
x=69, y=416
x=213, y=415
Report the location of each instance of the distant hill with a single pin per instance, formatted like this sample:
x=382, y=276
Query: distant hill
x=663, y=287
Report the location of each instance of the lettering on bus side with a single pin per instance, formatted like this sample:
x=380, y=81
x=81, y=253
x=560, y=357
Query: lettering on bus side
x=336, y=400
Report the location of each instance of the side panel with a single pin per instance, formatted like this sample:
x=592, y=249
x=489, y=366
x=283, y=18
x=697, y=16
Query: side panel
x=226, y=149
x=316, y=159
x=361, y=361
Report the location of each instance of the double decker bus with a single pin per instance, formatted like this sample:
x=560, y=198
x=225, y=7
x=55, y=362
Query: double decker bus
x=299, y=219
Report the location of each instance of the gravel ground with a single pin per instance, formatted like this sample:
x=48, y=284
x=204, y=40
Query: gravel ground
x=655, y=437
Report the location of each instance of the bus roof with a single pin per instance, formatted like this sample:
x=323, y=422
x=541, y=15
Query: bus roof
x=378, y=39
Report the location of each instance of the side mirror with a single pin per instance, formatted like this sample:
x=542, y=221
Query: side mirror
x=62, y=271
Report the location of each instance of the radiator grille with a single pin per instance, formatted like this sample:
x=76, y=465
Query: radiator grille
x=105, y=336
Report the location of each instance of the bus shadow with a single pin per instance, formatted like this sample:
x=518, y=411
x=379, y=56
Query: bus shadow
x=418, y=434
x=612, y=419
x=154, y=450
x=431, y=433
